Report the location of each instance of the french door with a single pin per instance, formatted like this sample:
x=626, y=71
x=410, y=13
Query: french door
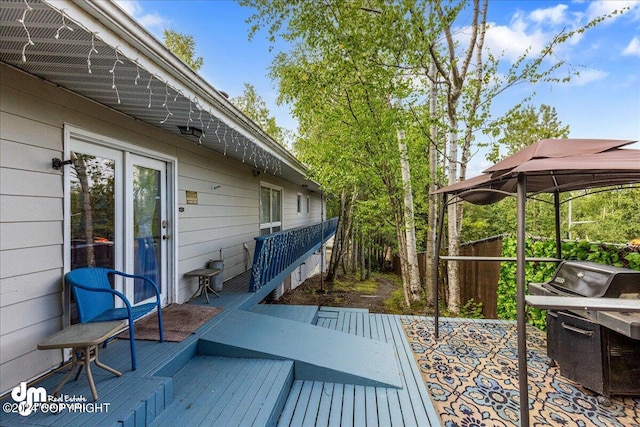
x=118, y=215
x=146, y=225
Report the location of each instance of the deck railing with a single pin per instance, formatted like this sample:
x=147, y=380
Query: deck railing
x=278, y=254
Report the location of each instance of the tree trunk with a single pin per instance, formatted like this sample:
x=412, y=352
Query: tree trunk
x=343, y=234
x=432, y=218
x=355, y=250
x=453, y=225
x=413, y=272
x=339, y=239
x=87, y=210
x=363, y=267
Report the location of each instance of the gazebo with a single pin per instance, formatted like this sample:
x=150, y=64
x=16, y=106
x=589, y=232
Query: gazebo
x=548, y=166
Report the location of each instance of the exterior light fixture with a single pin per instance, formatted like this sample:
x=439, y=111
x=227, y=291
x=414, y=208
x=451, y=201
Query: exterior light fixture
x=190, y=131
x=57, y=164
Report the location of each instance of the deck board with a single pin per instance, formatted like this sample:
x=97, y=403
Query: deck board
x=324, y=407
x=292, y=402
x=335, y=415
x=311, y=415
x=359, y=406
x=303, y=398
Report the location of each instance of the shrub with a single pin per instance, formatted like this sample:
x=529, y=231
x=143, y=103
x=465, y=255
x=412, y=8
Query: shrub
x=539, y=272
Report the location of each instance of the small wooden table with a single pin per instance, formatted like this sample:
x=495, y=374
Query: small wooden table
x=84, y=340
x=204, y=276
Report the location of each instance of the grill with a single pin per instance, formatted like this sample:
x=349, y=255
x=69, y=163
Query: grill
x=598, y=349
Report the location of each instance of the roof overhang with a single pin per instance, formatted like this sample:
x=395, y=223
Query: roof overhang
x=95, y=49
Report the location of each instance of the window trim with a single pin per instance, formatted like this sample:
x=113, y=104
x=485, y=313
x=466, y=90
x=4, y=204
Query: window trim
x=273, y=224
x=299, y=206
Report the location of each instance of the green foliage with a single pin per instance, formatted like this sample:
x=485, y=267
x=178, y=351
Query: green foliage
x=366, y=287
x=540, y=272
x=534, y=273
x=184, y=47
x=609, y=215
x=254, y=107
x=397, y=305
x=471, y=310
x=522, y=126
x=633, y=259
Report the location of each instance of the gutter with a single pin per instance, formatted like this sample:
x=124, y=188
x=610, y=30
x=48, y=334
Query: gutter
x=111, y=16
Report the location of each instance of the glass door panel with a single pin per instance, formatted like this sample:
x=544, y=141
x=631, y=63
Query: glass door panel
x=149, y=226
x=93, y=222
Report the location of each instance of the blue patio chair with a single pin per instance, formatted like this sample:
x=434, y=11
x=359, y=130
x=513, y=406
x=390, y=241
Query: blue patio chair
x=95, y=300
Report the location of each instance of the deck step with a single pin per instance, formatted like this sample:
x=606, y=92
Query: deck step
x=122, y=401
x=299, y=313
x=223, y=391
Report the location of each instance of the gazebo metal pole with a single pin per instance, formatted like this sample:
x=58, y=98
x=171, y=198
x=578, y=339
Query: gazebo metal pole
x=322, y=248
x=556, y=206
x=436, y=265
x=521, y=319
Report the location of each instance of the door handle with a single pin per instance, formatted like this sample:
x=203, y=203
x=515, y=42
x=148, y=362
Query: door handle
x=165, y=237
x=577, y=330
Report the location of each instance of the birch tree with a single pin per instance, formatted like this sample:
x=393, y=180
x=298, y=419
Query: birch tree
x=349, y=58
x=331, y=74
x=184, y=47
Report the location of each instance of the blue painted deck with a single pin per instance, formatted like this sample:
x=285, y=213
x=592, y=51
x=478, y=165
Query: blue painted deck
x=176, y=384
x=314, y=403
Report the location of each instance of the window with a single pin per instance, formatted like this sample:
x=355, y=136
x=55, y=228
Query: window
x=270, y=209
x=308, y=204
x=299, y=204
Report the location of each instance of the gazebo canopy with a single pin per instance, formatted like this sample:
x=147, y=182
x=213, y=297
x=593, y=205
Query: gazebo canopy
x=554, y=165
x=547, y=166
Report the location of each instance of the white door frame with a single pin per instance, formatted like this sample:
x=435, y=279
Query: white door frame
x=75, y=135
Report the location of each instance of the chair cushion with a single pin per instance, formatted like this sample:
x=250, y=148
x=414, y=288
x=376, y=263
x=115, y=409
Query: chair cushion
x=121, y=313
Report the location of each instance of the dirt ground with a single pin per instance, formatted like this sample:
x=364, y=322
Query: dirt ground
x=370, y=294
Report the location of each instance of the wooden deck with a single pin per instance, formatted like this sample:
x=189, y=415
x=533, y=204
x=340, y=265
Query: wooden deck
x=176, y=385
x=313, y=403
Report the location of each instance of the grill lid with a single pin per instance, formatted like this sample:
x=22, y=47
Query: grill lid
x=589, y=279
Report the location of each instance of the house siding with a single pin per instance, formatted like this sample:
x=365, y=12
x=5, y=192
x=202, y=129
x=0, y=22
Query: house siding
x=33, y=114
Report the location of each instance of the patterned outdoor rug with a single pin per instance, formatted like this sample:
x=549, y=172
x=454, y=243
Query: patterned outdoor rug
x=178, y=320
x=472, y=375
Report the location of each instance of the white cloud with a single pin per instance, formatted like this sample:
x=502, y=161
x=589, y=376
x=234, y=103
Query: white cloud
x=132, y=7
x=532, y=31
x=149, y=20
x=153, y=20
x=513, y=40
x=554, y=15
x=633, y=48
x=603, y=7
x=587, y=76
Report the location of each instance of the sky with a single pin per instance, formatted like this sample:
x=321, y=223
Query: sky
x=603, y=102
